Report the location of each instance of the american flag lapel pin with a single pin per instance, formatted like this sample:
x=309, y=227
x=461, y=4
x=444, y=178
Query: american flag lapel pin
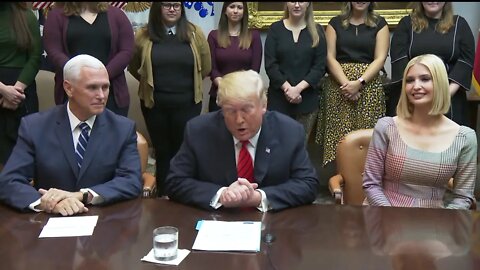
x=267, y=150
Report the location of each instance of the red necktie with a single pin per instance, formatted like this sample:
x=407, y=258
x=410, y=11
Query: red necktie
x=245, y=163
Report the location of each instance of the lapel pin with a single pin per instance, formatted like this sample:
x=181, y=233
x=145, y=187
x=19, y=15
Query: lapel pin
x=267, y=150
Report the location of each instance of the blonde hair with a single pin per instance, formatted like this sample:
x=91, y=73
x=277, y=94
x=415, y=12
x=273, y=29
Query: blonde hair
x=241, y=85
x=346, y=12
x=441, y=94
x=420, y=21
x=310, y=20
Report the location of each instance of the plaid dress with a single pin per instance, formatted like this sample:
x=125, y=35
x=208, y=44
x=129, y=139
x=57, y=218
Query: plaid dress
x=399, y=175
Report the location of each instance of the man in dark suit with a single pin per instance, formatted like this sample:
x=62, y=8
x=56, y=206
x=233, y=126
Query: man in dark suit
x=209, y=169
x=71, y=166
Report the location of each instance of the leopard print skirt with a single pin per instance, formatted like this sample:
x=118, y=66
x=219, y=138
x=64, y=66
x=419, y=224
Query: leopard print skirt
x=338, y=116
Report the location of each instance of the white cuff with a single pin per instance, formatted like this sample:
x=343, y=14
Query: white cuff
x=214, y=202
x=263, y=206
x=34, y=204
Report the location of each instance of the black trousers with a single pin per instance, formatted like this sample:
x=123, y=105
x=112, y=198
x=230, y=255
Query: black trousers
x=10, y=119
x=392, y=95
x=112, y=105
x=165, y=126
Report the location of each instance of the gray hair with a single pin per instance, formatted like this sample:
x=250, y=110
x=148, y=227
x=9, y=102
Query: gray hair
x=71, y=70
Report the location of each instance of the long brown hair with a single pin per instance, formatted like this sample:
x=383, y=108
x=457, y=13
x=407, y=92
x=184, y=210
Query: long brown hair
x=223, y=36
x=23, y=36
x=311, y=25
x=156, y=27
x=370, y=21
x=420, y=22
x=75, y=8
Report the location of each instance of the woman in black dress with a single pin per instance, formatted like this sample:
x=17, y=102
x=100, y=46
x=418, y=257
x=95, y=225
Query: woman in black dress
x=295, y=59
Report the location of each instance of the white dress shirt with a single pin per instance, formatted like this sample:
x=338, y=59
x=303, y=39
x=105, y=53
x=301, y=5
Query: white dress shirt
x=173, y=29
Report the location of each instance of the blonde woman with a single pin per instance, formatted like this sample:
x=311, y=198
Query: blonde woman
x=233, y=46
x=295, y=59
x=412, y=156
x=352, y=97
x=432, y=28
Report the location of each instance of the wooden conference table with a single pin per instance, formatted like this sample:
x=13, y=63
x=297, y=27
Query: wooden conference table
x=308, y=237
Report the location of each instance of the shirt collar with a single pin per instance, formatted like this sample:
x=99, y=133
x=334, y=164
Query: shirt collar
x=74, y=121
x=253, y=141
x=173, y=28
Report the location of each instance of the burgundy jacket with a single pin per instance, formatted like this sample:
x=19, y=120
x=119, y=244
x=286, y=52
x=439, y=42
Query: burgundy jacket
x=121, y=52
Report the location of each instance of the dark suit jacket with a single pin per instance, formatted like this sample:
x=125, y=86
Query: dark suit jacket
x=206, y=162
x=45, y=152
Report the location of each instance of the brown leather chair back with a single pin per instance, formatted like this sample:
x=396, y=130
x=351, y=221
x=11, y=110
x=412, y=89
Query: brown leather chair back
x=149, y=181
x=351, y=156
x=142, y=146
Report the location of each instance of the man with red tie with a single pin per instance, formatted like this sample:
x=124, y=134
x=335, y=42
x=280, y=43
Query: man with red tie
x=242, y=155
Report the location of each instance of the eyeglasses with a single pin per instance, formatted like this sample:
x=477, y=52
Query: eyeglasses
x=168, y=6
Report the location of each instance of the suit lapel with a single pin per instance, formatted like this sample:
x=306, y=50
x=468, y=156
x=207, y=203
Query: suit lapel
x=265, y=147
x=64, y=136
x=94, y=143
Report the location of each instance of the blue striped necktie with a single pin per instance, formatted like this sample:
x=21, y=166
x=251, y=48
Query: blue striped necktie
x=82, y=143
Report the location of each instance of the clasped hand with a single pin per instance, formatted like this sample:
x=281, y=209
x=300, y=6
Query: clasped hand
x=292, y=94
x=12, y=96
x=240, y=193
x=351, y=90
x=62, y=202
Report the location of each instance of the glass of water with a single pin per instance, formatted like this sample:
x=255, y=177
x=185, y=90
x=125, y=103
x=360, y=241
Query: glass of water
x=165, y=243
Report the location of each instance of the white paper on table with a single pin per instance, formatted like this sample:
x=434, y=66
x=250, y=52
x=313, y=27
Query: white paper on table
x=181, y=254
x=229, y=236
x=69, y=226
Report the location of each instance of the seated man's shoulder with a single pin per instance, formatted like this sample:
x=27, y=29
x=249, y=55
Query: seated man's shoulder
x=206, y=119
x=117, y=118
x=39, y=118
x=120, y=125
x=282, y=120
